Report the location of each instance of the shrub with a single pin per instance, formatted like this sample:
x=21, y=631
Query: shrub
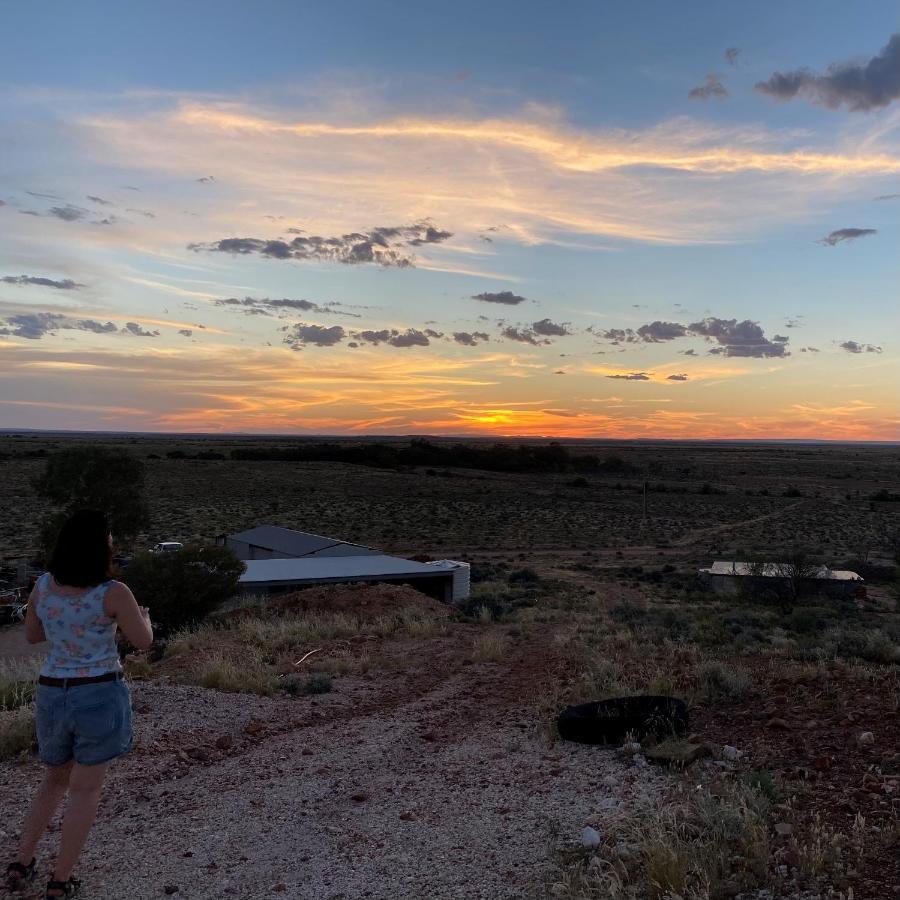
x=16, y=732
x=524, y=576
x=718, y=681
x=761, y=781
x=871, y=646
x=318, y=683
x=183, y=588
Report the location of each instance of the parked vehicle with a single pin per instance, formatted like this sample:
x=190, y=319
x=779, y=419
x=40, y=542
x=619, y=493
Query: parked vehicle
x=167, y=547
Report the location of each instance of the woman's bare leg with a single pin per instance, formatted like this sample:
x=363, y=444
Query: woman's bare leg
x=45, y=803
x=85, y=785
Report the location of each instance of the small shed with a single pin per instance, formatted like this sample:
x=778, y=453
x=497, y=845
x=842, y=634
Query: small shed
x=734, y=577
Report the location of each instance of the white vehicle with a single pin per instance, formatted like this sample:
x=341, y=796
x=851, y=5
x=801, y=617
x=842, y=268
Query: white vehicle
x=167, y=547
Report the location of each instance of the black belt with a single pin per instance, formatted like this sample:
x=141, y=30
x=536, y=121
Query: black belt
x=74, y=682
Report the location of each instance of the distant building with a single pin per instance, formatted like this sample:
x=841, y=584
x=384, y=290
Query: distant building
x=279, y=560
x=725, y=577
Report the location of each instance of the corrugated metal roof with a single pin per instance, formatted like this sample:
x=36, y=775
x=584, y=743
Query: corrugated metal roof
x=260, y=571
x=288, y=541
x=774, y=570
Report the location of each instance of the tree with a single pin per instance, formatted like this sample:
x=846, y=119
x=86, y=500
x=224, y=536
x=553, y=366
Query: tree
x=796, y=571
x=104, y=478
x=183, y=588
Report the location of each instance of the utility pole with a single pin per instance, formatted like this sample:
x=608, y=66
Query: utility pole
x=645, y=503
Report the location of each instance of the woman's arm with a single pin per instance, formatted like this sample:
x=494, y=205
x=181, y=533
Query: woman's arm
x=133, y=620
x=34, y=630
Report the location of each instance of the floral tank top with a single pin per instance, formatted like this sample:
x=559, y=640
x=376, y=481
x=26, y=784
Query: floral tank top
x=82, y=637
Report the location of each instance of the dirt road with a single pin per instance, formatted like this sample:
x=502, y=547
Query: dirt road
x=429, y=780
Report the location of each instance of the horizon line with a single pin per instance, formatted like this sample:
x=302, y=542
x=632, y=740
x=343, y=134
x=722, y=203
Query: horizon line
x=248, y=435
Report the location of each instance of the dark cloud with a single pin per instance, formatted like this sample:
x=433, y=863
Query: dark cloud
x=384, y=246
x=738, y=338
x=412, y=337
x=679, y=377
x=657, y=331
x=469, y=338
x=861, y=87
x=523, y=336
x=887, y=197
x=731, y=55
x=507, y=297
x=187, y=332
x=301, y=334
x=263, y=306
x=711, y=87
x=846, y=234
x=568, y=413
x=206, y=179
x=374, y=337
x=66, y=284
x=35, y=325
x=96, y=327
x=431, y=236
x=854, y=347
x=691, y=352
x=141, y=212
x=434, y=334
x=67, y=213
x=138, y=330
x=43, y=196
x=632, y=376
x=550, y=329
x=100, y=200
x=617, y=335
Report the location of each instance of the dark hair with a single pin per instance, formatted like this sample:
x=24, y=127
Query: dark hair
x=82, y=556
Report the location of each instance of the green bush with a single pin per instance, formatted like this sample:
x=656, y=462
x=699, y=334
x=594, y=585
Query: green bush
x=869, y=645
x=318, y=683
x=719, y=681
x=182, y=588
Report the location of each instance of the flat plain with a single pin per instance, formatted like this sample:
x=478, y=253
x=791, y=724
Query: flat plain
x=429, y=764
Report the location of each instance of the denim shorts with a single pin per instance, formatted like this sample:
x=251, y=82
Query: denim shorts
x=90, y=723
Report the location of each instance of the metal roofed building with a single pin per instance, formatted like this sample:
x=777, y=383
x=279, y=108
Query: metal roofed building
x=727, y=577
x=281, y=576
x=274, y=542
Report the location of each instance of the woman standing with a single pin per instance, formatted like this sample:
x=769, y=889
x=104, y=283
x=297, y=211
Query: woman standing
x=83, y=705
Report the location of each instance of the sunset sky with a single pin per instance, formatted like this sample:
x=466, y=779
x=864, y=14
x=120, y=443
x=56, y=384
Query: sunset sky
x=582, y=219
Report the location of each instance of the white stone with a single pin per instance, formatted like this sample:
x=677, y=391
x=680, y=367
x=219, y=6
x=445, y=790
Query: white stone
x=590, y=838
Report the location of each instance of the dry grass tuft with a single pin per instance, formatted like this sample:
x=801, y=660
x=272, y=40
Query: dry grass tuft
x=16, y=732
x=704, y=843
x=223, y=673
x=490, y=647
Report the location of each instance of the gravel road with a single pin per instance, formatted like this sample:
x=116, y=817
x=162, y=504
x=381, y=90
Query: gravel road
x=442, y=787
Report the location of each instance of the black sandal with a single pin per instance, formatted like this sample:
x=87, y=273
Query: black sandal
x=69, y=888
x=17, y=875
